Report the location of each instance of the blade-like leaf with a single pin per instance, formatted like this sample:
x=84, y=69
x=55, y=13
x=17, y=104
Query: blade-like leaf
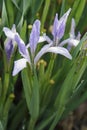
x=79, y=10
x=27, y=87
x=4, y=14
x=26, y=4
x=16, y=4
x=34, y=103
x=1, y=126
x=10, y=11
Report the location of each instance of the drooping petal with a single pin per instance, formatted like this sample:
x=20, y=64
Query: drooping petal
x=55, y=24
x=73, y=42
x=41, y=52
x=69, y=41
x=62, y=24
x=18, y=66
x=22, y=48
x=34, y=36
x=9, y=48
x=8, y=33
x=72, y=30
x=60, y=50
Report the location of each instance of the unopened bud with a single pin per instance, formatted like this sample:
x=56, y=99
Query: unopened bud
x=52, y=81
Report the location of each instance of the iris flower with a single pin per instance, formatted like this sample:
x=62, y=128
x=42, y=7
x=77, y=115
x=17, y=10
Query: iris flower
x=28, y=52
x=9, y=42
x=58, y=32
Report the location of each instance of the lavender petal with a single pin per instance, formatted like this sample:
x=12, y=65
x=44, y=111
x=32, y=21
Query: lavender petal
x=9, y=48
x=55, y=24
x=62, y=24
x=34, y=36
x=22, y=48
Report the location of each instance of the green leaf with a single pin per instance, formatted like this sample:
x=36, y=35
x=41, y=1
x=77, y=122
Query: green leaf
x=77, y=49
x=45, y=12
x=1, y=126
x=23, y=31
x=34, y=103
x=62, y=8
x=16, y=4
x=35, y=6
x=26, y=5
x=27, y=86
x=19, y=26
x=4, y=14
x=10, y=11
x=79, y=10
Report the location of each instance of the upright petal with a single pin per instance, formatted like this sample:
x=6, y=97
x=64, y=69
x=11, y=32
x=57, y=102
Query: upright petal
x=62, y=24
x=13, y=28
x=78, y=36
x=18, y=66
x=34, y=36
x=72, y=30
x=55, y=24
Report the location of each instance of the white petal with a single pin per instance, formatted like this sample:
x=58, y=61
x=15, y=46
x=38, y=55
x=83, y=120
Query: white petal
x=18, y=66
x=72, y=31
x=42, y=39
x=13, y=28
x=60, y=50
x=73, y=42
x=8, y=33
x=70, y=41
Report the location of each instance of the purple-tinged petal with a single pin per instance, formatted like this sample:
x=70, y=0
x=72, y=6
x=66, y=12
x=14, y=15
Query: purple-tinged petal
x=60, y=50
x=34, y=36
x=8, y=33
x=72, y=30
x=22, y=48
x=55, y=24
x=9, y=48
x=18, y=66
x=41, y=52
x=62, y=24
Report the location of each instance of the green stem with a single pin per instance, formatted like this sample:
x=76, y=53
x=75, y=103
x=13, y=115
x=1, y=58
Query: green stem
x=5, y=87
x=45, y=11
x=31, y=124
